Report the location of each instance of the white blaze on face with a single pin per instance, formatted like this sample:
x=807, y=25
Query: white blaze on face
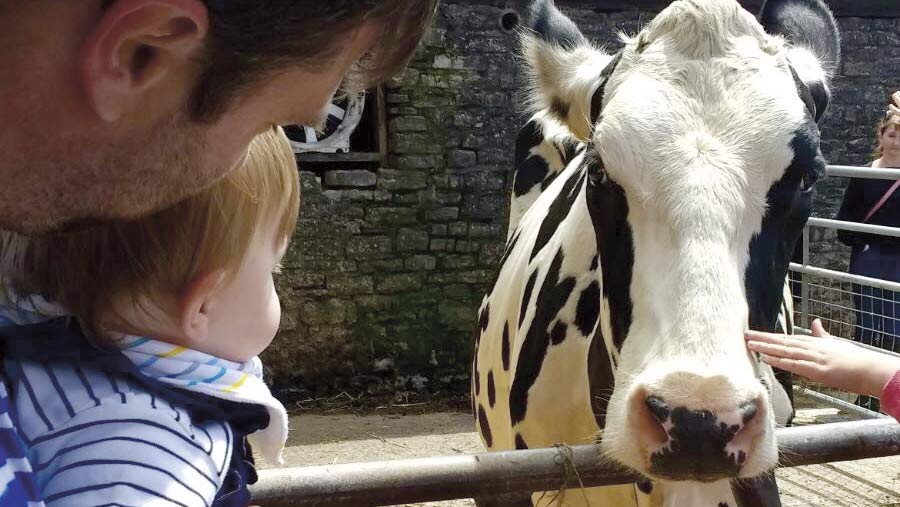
x=697, y=123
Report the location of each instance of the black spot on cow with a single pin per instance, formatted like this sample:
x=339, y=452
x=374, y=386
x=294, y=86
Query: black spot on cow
x=526, y=296
x=771, y=250
x=595, y=263
x=491, y=388
x=548, y=180
x=520, y=442
x=558, y=211
x=600, y=377
x=567, y=152
x=484, y=318
x=597, y=99
x=787, y=210
x=484, y=427
x=558, y=335
x=646, y=487
x=588, y=309
x=550, y=299
x=608, y=208
x=477, y=378
x=504, y=352
x=530, y=169
x=510, y=246
x=560, y=108
x=723, y=504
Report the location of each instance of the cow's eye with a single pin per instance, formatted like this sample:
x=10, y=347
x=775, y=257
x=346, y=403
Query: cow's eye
x=808, y=181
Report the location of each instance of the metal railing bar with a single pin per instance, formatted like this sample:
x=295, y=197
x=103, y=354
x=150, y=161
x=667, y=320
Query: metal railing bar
x=880, y=230
x=490, y=474
x=804, y=286
x=845, y=277
x=840, y=404
x=875, y=173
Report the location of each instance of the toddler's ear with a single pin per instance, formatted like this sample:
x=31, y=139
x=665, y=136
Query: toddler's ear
x=197, y=299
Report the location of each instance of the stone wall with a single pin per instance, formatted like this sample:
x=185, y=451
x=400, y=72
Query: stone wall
x=388, y=265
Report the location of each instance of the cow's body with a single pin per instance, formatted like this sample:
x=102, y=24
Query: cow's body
x=572, y=288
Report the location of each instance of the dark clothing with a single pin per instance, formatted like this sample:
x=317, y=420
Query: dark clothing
x=860, y=196
x=877, y=310
x=873, y=256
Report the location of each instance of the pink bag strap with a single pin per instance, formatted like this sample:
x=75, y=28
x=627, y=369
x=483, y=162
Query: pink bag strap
x=887, y=195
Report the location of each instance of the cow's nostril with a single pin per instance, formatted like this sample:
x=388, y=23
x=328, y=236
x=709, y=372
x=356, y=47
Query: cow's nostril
x=748, y=411
x=658, y=407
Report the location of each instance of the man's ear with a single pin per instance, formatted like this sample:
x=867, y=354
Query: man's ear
x=195, y=304
x=137, y=44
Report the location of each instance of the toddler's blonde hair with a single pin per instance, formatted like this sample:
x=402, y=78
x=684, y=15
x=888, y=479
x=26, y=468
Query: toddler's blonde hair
x=88, y=270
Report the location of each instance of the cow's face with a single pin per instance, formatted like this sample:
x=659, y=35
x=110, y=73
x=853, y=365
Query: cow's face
x=703, y=132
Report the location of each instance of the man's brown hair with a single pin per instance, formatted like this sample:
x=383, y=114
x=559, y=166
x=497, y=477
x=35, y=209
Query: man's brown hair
x=251, y=40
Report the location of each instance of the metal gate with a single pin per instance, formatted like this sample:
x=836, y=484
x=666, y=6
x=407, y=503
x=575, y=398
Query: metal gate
x=848, y=305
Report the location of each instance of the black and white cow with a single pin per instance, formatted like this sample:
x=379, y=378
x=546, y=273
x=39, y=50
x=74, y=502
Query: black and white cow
x=659, y=194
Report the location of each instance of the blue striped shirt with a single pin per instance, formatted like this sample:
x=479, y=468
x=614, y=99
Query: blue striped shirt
x=103, y=439
x=93, y=437
x=18, y=484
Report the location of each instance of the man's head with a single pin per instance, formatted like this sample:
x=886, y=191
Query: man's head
x=115, y=108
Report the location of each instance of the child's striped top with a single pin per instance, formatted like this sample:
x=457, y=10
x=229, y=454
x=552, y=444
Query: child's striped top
x=96, y=434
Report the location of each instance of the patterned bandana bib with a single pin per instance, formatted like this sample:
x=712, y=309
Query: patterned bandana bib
x=179, y=367
x=199, y=372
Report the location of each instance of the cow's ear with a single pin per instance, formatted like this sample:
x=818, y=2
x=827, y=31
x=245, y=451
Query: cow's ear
x=550, y=25
x=564, y=68
x=564, y=82
x=814, y=45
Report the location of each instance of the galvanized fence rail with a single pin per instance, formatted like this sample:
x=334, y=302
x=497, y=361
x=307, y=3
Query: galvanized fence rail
x=497, y=473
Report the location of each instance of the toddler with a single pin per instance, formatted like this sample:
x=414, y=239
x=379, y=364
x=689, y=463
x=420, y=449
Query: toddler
x=130, y=348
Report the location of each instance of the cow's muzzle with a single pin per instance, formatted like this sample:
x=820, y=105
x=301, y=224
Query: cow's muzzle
x=700, y=445
x=697, y=444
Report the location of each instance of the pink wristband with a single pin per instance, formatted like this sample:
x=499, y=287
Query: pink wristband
x=890, y=397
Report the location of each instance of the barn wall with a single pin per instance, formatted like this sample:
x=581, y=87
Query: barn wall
x=388, y=265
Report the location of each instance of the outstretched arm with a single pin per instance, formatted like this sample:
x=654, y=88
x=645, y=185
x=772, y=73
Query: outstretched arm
x=833, y=362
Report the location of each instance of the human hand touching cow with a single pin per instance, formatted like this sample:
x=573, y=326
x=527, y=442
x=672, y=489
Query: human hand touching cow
x=834, y=362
